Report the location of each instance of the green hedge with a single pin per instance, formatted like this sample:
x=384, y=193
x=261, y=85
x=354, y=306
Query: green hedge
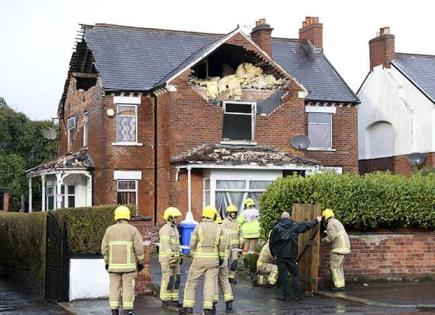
x=22, y=243
x=372, y=201
x=86, y=227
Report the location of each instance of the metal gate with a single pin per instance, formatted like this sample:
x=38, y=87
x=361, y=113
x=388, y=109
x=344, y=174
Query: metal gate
x=56, y=261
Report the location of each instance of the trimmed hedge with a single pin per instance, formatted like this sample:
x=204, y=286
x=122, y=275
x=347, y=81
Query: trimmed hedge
x=22, y=243
x=86, y=227
x=372, y=201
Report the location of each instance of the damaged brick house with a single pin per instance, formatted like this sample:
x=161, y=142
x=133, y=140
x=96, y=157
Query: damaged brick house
x=162, y=117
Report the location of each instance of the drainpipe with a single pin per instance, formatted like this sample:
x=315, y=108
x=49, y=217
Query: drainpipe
x=155, y=156
x=189, y=216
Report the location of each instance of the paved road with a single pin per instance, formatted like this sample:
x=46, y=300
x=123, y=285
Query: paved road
x=16, y=298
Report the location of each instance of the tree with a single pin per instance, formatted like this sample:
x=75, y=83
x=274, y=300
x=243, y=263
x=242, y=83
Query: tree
x=22, y=146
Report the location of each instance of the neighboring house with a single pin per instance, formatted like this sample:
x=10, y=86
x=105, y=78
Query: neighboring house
x=163, y=117
x=397, y=112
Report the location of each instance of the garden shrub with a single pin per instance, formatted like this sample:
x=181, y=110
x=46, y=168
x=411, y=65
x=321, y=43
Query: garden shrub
x=368, y=202
x=22, y=243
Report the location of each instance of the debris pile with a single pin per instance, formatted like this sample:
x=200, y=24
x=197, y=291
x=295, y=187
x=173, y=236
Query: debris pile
x=247, y=76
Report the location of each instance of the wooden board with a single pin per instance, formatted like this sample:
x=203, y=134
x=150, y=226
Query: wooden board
x=309, y=261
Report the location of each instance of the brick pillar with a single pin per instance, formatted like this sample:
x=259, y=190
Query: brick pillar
x=6, y=198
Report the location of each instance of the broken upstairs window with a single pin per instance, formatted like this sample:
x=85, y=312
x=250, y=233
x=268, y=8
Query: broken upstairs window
x=239, y=121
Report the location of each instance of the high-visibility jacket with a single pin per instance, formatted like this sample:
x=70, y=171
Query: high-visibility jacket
x=248, y=220
x=232, y=232
x=207, y=243
x=337, y=235
x=169, y=242
x=122, y=247
x=265, y=256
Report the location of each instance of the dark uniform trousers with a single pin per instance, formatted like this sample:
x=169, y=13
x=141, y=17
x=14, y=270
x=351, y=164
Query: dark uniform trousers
x=285, y=266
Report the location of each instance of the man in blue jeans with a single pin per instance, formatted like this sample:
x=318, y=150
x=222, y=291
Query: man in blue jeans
x=283, y=244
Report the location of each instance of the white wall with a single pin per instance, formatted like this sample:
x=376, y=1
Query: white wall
x=80, y=188
x=88, y=279
x=388, y=96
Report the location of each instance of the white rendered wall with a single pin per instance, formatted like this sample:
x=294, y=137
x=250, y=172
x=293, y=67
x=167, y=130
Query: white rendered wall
x=388, y=96
x=80, y=182
x=88, y=279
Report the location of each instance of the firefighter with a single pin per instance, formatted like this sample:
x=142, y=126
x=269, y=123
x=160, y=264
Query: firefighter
x=207, y=246
x=170, y=258
x=336, y=234
x=232, y=232
x=267, y=271
x=222, y=280
x=122, y=249
x=250, y=227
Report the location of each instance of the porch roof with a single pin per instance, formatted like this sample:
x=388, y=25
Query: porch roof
x=75, y=161
x=236, y=155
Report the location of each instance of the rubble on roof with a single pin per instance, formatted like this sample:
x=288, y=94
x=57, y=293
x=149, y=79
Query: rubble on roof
x=247, y=76
x=238, y=155
x=77, y=160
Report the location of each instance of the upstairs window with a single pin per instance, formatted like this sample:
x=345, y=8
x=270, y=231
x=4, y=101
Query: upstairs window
x=71, y=127
x=320, y=130
x=85, y=129
x=126, y=192
x=126, y=123
x=239, y=122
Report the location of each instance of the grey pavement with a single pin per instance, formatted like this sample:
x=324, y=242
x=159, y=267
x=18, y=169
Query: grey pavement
x=17, y=297
x=260, y=300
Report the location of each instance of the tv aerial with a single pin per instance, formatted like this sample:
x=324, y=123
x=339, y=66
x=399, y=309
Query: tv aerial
x=49, y=133
x=300, y=142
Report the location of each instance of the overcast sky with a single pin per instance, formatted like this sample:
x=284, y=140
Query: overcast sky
x=37, y=36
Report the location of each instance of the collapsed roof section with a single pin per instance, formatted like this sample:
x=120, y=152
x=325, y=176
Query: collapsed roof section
x=233, y=155
x=76, y=161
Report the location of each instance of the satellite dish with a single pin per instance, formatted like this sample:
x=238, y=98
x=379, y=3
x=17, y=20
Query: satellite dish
x=416, y=158
x=49, y=133
x=300, y=142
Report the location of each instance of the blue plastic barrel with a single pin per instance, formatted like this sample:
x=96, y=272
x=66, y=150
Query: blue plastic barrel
x=186, y=230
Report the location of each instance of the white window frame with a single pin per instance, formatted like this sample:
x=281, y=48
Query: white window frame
x=321, y=110
x=85, y=129
x=71, y=137
x=128, y=190
x=116, y=124
x=204, y=199
x=52, y=195
x=253, y=114
x=67, y=195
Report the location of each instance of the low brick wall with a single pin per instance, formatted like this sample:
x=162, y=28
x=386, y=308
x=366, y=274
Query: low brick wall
x=386, y=255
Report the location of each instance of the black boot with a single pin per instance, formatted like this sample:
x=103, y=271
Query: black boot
x=254, y=280
x=232, y=281
x=209, y=312
x=115, y=312
x=229, y=306
x=186, y=311
x=214, y=306
x=128, y=312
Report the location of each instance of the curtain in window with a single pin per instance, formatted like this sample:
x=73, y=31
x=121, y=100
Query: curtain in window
x=126, y=197
x=224, y=199
x=126, y=129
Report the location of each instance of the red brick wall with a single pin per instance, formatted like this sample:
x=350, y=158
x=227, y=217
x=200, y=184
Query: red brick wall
x=313, y=31
x=385, y=255
x=397, y=164
x=143, y=280
x=344, y=141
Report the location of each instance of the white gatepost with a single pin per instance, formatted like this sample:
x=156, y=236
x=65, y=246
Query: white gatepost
x=43, y=192
x=88, y=190
x=30, y=194
x=58, y=190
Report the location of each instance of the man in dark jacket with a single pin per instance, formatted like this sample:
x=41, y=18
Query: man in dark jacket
x=283, y=245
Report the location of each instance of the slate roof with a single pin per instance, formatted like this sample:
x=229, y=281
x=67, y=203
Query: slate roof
x=420, y=69
x=139, y=59
x=220, y=154
x=77, y=160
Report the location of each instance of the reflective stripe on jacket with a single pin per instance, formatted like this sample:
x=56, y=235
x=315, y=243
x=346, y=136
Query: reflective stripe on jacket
x=232, y=233
x=207, y=243
x=248, y=221
x=122, y=247
x=337, y=235
x=169, y=242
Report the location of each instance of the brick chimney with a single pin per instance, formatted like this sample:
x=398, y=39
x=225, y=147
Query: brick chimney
x=262, y=35
x=382, y=48
x=312, y=30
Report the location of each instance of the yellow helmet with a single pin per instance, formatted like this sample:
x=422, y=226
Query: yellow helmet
x=249, y=202
x=209, y=212
x=218, y=219
x=327, y=213
x=232, y=208
x=171, y=212
x=122, y=213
